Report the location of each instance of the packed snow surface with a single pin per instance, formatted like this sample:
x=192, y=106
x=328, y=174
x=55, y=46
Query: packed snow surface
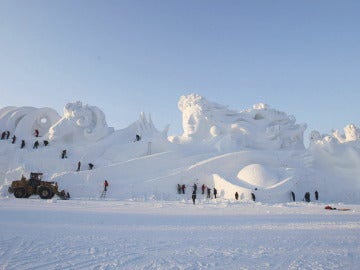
x=258, y=150
x=108, y=234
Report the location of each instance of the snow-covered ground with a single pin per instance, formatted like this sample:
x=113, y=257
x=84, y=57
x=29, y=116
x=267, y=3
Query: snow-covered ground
x=222, y=234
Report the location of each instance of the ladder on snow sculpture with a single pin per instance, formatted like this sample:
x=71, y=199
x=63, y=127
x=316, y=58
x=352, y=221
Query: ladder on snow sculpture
x=103, y=194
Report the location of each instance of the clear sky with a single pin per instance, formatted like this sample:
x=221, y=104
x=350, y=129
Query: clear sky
x=301, y=57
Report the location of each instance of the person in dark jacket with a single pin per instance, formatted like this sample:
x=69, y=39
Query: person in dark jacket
x=293, y=196
x=106, y=184
x=91, y=166
x=46, y=142
x=193, y=196
x=22, y=144
x=253, y=196
x=63, y=154
x=13, y=139
x=36, y=145
x=78, y=167
x=208, y=192
x=195, y=188
x=183, y=189
x=215, y=192
x=137, y=138
x=316, y=195
x=203, y=189
x=236, y=195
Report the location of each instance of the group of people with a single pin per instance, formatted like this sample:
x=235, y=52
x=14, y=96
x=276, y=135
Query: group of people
x=253, y=197
x=181, y=190
x=64, y=155
x=307, y=196
x=91, y=166
x=5, y=135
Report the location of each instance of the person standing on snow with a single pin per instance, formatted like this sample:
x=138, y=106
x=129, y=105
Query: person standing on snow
x=183, y=189
x=179, y=189
x=316, y=195
x=215, y=192
x=106, y=184
x=195, y=187
x=236, y=195
x=203, y=189
x=193, y=196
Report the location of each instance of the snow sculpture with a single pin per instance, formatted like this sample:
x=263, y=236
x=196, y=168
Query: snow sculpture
x=260, y=127
x=22, y=121
x=337, y=151
x=80, y=123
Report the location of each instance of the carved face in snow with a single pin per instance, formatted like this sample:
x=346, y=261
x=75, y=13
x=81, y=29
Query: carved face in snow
x=194, y=121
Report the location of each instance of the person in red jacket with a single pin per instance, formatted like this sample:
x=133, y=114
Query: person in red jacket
x=106, y=184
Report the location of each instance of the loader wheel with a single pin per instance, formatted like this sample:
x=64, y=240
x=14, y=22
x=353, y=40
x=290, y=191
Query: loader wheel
x=51, y=195
x=19, y=193
x=44, y=193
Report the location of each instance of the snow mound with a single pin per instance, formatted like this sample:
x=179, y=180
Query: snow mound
x=258, y=175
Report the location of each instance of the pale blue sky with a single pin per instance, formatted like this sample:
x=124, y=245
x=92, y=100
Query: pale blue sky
x=301, y=57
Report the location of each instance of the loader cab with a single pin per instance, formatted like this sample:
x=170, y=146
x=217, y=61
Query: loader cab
x=36, y=176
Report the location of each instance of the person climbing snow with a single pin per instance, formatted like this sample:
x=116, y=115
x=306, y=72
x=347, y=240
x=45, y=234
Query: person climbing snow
x=106, y=184
x=63, y=154
x=137, y=138
x=78, y=167
x=36, y=145
x=22, y=144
